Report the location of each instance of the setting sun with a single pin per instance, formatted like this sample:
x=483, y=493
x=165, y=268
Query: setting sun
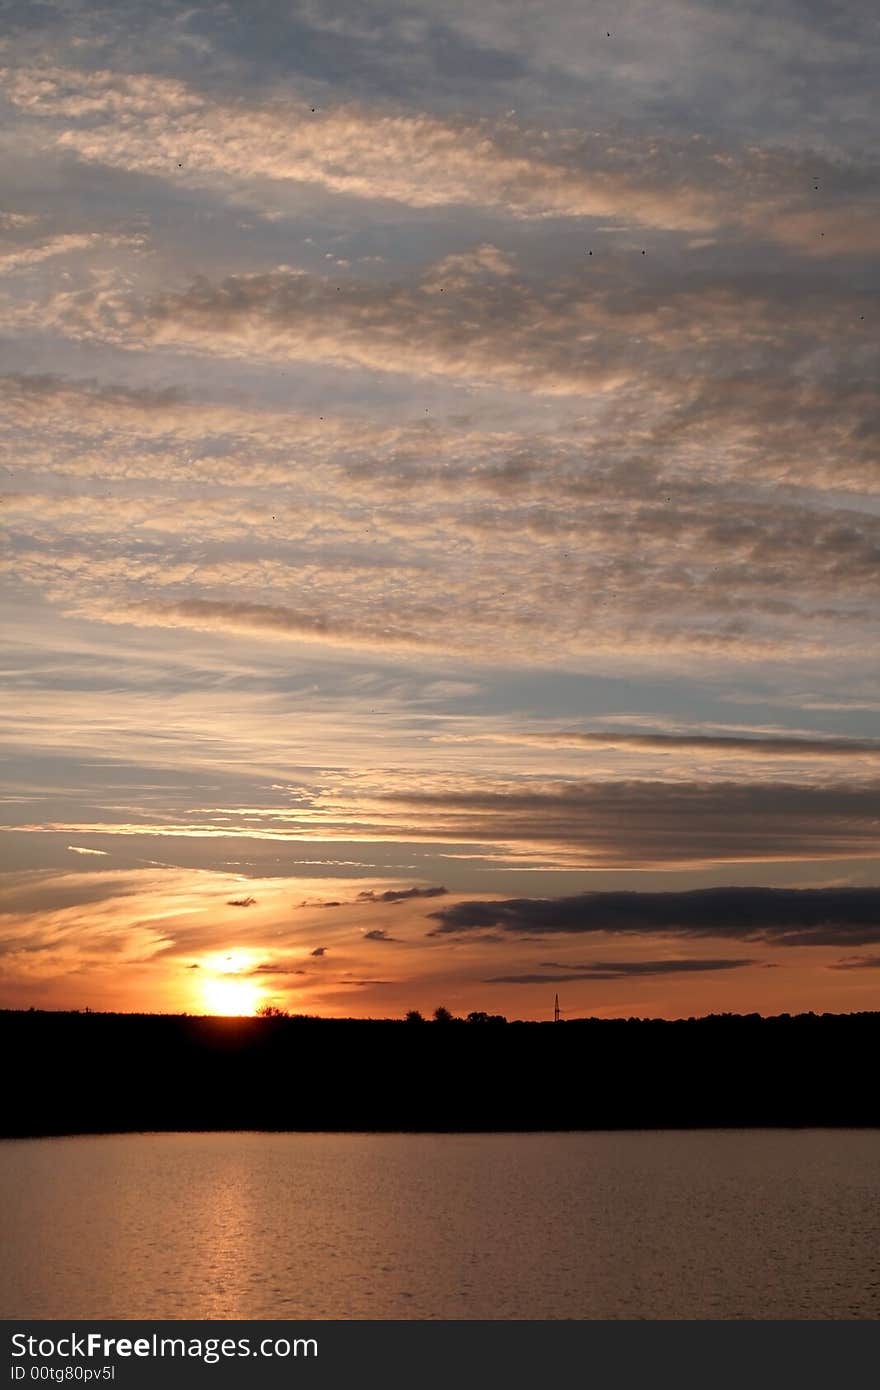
x=227, y=989
x=230, y=995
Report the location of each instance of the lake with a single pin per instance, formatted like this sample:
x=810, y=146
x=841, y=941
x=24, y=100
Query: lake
x=666, y=1224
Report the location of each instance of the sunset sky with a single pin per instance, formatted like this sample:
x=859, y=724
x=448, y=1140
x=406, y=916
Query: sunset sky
x=440, y=457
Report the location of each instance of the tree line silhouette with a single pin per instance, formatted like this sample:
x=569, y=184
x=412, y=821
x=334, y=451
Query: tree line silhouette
x=90, y=1072
x=440, y=1015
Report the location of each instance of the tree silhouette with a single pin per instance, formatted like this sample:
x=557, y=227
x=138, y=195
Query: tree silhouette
x=414, y=1016
x=271, y=1011
x=442, y=1015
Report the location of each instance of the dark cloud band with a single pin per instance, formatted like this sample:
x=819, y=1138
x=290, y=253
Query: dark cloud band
x=783, y=916
x=616, y=970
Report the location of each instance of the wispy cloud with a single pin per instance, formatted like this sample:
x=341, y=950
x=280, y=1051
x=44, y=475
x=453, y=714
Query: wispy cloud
x=579, y=825
x=617, y=970
x=727, y=746
x=857, y=962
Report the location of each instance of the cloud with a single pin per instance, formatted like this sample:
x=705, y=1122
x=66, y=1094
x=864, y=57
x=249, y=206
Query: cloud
x=13, y=221
x=159, y=126
x=80, y=849
x=389, y=895
x=673, y=64
x=87, y=429
x=603, y=824
x=616, y=970
x=23, y=257
x=260, y=619
x=497, y=330
x=399, y=895
x=368, y=452
x=623, y=968
x=274, y=968
x=366, y=982
x=857, y=962
x=540, y=530
x=606, y=824
x=569, y=333
x=727, y=746
x=240, y=902
x=149, y=124
x=781, y=916
x=378, y=934
x=522, y=535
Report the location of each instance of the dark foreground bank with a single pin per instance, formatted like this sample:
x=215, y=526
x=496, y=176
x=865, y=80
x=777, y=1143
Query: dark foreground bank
x=82, y=1073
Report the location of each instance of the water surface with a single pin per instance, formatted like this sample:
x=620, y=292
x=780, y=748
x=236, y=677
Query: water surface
x=706, y=1224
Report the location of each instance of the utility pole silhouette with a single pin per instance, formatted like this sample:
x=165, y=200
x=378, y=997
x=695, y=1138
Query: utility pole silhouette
x=556, y=1010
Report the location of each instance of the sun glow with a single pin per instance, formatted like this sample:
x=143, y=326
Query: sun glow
x=231, y=996
x=227, y=989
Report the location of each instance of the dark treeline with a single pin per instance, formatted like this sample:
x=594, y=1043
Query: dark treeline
x=86, y=1072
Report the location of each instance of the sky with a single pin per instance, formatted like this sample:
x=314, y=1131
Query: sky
x=439, y=452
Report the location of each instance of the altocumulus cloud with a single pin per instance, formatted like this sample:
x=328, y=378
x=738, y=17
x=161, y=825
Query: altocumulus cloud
x=568, y=335
x=142, y=123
